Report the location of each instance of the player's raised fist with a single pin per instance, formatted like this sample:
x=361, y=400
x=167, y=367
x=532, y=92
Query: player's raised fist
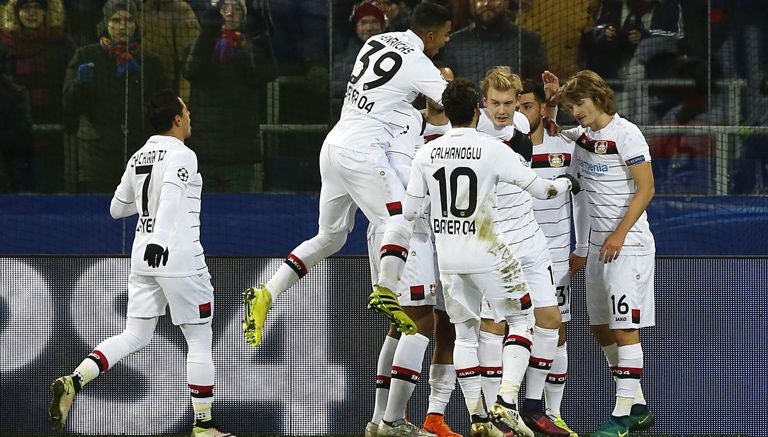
x=154, y=253
x=575, y=185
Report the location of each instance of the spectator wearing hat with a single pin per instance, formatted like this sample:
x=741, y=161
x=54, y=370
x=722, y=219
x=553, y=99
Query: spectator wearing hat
x=105, y=87
x=228, y=69
x=38, y=50
x=367, y=19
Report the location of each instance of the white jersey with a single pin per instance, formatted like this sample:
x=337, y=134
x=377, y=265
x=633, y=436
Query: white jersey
x=515, y=219
x=165, y=160
x=519, y=122
x=603, y=159
x=389, y=72
x=551, y=159
x=433, y=132
x=460, y=170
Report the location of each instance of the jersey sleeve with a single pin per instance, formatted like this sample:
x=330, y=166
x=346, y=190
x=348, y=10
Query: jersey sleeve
x=632, y=147
x=176, y=177
x=124, y=200
x=428, y=79
x=416, y=191
x=180, y=169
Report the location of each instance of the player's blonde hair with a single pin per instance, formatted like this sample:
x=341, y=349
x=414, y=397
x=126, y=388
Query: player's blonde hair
x=503, y=79
x=588, y=84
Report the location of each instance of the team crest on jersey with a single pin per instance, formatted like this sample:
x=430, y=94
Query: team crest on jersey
x=183, y=174
x=556, y=160
x=601, y=147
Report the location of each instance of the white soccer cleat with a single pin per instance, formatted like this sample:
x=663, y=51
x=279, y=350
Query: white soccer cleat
x=371, y=429
x=509, y=420
x=402, y=428
x=63, y=395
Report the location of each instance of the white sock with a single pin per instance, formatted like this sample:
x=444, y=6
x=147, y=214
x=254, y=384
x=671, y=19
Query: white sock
x=406, y=371
x=442, y=381
x=489, y=355
x=555, y=386
x=517, y=351
x=627, y=374
x=540, y=363
x=383, y=376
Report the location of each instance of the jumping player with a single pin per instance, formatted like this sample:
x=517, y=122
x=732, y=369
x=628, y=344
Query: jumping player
x=390, y=70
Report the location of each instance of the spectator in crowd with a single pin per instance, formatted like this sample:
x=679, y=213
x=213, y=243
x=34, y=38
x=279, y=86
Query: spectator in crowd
x=561, y=24
x=635, y=40
x=83, y=18
x=368, y=19
x=493, y=39
x=228, y=70
x=398, y=13
x=169, y=27
x=15, y=133
x=105, y=86
x=299, y=29
x=632, y=30
x=38, y=52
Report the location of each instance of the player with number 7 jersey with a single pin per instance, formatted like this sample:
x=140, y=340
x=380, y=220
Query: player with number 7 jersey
x=164, y=160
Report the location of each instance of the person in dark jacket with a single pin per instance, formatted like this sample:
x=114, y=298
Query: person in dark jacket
x=228, y=70
x=38, y=52
x=105, y=87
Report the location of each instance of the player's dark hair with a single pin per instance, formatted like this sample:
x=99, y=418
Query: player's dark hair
x=428, y=16
x=161, y=109
x=536, y=88
x=460, y=102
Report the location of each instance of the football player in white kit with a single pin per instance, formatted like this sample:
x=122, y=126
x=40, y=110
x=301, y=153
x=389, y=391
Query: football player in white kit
x=390, y=70
x=613, y=161
x=551, y=157
x=460, y=170
x=420, y=294
x=518, y=227
x=162, y=185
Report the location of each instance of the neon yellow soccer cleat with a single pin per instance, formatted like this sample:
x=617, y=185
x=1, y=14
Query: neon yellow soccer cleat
x=384, y=301
x=257, y=302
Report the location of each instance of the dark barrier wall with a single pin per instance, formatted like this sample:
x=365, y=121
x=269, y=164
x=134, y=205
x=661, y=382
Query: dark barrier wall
x=273, y=224
x=314, y=373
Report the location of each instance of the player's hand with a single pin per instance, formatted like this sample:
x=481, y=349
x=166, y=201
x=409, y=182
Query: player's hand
x=154, y=253
x=610, y=33
x=612, y=247
x=575, y=185
x=85, y=72
x=576, y=263
x=634, y=36
x=551, y=126
x=551, y=86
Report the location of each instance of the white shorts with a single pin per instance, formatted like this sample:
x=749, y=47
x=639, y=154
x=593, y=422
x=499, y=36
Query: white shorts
x=563, y=293
x=353, y=178
x=503, y=289
x=190, y=297
x=620, y=293
x=537, y=265
x=418, y=283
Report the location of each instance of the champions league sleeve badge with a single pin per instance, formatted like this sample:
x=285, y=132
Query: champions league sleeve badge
x=183, y=174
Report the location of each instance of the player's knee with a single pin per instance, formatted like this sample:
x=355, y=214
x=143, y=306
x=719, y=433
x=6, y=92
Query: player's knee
x=332, y=242
x=135, y=341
